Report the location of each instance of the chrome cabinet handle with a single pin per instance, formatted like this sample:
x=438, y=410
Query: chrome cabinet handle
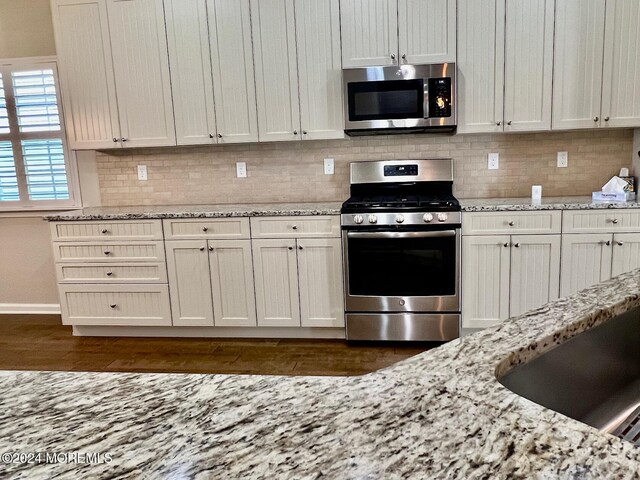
x=606, y=119
x=614, y=221
x=219, y=135
x=104, y=231
x=517, y=245
x=595, y=119
x=506, y=244
x=210, y=248
x=509, y=122
x=109, y=273
x=393, y=56
x=295, y=132
x=294, y=227
x=300, y=247
x=113, y=305
x=202, y=249
x=290, y=247
x=404, y=56
x=205, y=229
x=115, y=140
x=607, y=243
x=621, y=243
x=511, y=223
x=304, y=132
x=211, y=135
x=124, y=139
x=498, y=123
x=107, y=252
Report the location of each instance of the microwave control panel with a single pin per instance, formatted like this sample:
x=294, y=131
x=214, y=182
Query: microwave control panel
x=439, y=97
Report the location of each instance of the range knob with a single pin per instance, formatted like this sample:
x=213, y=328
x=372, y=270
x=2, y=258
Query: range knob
x=373, y=219
x=399, y=218
x=357, y=219
x=442, y=217
x=427, y=217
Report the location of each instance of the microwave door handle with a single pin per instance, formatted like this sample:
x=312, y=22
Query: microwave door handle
x=435, y=234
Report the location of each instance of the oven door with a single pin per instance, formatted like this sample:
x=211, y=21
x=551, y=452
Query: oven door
x=402, y=271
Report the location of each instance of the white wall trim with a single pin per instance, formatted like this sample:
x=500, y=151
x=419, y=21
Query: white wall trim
x=30, y=308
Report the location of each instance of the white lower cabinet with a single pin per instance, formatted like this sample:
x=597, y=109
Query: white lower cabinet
x=299, y=282
x=211, y=282
x=507, y=275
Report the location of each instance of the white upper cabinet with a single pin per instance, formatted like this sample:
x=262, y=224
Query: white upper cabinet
x=480, y=62
x=141, y=65
x=369, y=32
x=579, y=44
x=319, y=68
x=233, y=74
x=274, y=44
x=86, y=73
x=528, y=65
x=427, y=31
x=620, y=98
x=191, y=82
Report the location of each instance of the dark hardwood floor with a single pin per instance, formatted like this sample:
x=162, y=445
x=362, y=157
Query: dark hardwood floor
x=41, y=342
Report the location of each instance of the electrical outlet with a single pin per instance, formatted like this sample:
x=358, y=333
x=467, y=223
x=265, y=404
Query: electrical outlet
x=241, y=169
x=328, y=166
x=563, y=159
x=142, y=172
x=494, y=161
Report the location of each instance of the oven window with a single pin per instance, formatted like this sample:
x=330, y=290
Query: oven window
x=386, y=100
x=402, y=267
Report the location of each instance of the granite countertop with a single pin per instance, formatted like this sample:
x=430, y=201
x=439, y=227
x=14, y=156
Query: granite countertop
x=197, y=211
x=547, y=203
x=440, y=414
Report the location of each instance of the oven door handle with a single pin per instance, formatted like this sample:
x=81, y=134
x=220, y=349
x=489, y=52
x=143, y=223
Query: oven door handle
x=435, y=234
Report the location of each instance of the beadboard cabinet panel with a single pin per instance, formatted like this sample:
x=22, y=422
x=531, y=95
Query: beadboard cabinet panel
x=620, y=96
x=232, y=283
x=319, y=68
x=535, y=272
x=190, y=283
x=274, y=46
x=191, y=80
x=586, y=260
x=106, y=230
x=579, y=52
x=480, y=63
x=320, y=282
x=528, y=65
x=87, y=82
x=626, y=253
x=111, y=273
x=485, y=280
x=141, y=66
x=233, y=72
x=427, y=31
x=369, y=33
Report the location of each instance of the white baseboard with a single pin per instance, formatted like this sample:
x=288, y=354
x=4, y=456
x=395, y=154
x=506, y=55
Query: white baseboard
x=30, y=308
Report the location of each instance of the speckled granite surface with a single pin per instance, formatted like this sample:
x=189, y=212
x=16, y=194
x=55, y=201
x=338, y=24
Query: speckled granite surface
x=197, y=211
x=549, y=203
x=440, y=414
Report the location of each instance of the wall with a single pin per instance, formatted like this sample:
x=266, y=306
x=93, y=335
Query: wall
x=292, y=171
x=26, y=29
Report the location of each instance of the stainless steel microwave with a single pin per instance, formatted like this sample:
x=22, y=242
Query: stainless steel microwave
x=400, y=99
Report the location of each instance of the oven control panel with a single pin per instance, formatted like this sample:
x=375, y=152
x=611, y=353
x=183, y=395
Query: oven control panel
x=401, y=170
x=404, y=218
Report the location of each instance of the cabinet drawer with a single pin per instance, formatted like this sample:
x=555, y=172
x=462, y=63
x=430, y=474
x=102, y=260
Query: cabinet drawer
x=498, y=223
x=596, y=221
x=289, y=227
x=111, y=273
x=108, y=230
x=146, y=305
x=109, y=252
x=222, y=228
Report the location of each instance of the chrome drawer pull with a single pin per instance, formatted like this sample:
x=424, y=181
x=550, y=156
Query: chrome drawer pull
x=107, y=252
x=113, y=305
x=205, y=229
x=104, y=231
x=109, y=274
x=614, y=221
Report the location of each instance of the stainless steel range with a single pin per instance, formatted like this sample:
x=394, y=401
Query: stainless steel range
x=401, y=239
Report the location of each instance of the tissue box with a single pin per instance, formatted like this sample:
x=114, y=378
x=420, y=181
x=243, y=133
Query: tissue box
x=612, y=197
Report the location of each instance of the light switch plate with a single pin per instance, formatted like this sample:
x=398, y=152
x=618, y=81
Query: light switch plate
x=142, y=172
x=493, y=161
x=329, y=168
x=241, y=169
x=563, y=159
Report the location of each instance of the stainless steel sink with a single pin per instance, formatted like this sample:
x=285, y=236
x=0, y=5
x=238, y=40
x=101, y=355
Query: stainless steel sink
x=593, y=377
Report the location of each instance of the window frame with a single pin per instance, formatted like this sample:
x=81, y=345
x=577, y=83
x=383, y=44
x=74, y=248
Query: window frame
x=25, y=204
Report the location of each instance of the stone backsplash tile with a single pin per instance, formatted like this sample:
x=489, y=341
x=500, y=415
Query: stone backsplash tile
x=293, y=171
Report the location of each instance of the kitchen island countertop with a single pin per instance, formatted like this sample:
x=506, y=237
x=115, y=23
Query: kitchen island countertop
x=440, y=414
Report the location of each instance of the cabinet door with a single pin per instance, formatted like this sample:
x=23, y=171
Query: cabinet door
x=276, y=280
x=485, y=280
x=528, y=65
x=232, y=283
x=319, y=72
x=427, y=31
x=626, y=253
x=620, y=100
x=86, y=73
x=234, y=83
x=190, y=62
x=320, y=281
x=369, y=33
x=579, y=43
x=586, y=260
x=535, y=272
x=189, y=283
x=480, y=65
x=141, y=63
x=274, y=47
